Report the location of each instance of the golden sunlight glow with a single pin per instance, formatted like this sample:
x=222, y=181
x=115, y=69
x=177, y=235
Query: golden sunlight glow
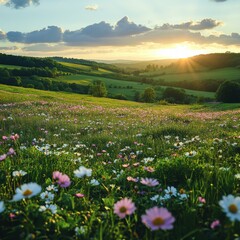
x=179, y=51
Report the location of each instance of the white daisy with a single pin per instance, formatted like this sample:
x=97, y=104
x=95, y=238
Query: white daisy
x=51, y=207
x=170, y=192
x=19, y=173
x=27, y=190
x=94, y=182
x=47, y=196
x=82, y=171
x=231, y=206
x=190, y=154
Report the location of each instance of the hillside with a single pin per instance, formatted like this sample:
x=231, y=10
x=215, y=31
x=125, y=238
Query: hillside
x=82, y=156
x=198, y=77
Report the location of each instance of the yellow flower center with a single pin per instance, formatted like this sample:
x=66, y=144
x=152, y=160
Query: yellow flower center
x=233, y=208
x=123, y=209
x=158, y=221
x=27, y=192
x=181, y=191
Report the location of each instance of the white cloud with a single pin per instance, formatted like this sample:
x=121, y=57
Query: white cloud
x=91, y=7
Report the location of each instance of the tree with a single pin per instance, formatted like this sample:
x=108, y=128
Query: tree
x=228, y=92
x=98, y=89
x=149, y=95
x=174, y=95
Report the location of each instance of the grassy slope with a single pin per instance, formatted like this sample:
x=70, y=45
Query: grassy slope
x=63, y=120
x=223, y=74
x=10, y=66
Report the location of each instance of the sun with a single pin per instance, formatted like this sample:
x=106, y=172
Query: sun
x=178, y=51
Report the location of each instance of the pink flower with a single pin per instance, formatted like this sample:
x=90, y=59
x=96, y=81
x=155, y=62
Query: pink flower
x=11, y=151
x=124, y=207
x=3, y=157
x=202, y=200
x=158, y=218
x=4, y=138
x=131, y=179
x=12, y=215
x=14, y=137
x=62, y=179
x=149, y=182
x=215, y=224
x=56, y=174
x=149, y=169
x=79, y=195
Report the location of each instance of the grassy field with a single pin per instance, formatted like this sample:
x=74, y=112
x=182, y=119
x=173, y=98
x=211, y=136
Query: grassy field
x=79, y=167
x=127, y=88
x=222, y=74
x=86, y=68
x=9, y=66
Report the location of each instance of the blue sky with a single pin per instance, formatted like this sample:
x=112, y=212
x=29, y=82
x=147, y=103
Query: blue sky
x=104, y=29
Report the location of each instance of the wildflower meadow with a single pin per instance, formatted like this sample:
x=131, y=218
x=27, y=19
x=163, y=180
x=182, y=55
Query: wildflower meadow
x=78, y=167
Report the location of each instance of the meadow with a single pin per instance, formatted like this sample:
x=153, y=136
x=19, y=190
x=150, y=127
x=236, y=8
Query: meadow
x=79, y=167
x=218, y=74
x=127, y=88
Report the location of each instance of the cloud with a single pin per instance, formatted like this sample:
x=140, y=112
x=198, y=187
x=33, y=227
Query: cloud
x=233, y=39
x=2, y=35
x=21, y=3
x=49, y=35
x=103, y=33
x=45, y=35
x=219, y=0
x=3, y=1
x=124, y=28
x=45, y=47
x=123, y=33
x=91, y=7
x=13, y=48
x=207, y=23
x=15, y=36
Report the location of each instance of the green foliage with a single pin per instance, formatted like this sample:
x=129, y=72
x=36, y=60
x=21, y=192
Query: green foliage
x=149, y=95
x=174, y=95
x=98, y=89
x=228, y=92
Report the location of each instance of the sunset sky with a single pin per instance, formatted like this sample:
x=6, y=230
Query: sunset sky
x=110, y=30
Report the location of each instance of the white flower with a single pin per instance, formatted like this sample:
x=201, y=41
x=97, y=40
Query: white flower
x=190, y=154
x=27, y=190
x=52, y=188
x=82, y=171
x=182, y=196
x=231, y=206
x=51, y=207
x=170, y=192
x=47, y=196
x=19, y=173
x=155, y=198
x=237, y=176
x=147, y=160
x=80, y=230
x=178, y=144
x=2, y=206
x=94, y=182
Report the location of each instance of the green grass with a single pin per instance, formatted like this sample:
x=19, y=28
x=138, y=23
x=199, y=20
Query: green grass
x=127, y=88
x=218, y=74
x=119, y=141
x=10, y=66
x=86, y=68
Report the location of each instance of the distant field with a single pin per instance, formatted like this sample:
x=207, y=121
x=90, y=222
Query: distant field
x=218, y=74
x=126, y=88
x=85, y=68
x=10, y=66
